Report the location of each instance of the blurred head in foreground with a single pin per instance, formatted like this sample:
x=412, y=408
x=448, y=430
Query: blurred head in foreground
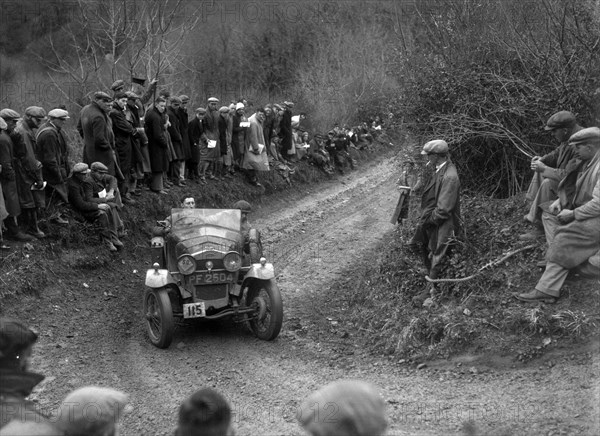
x=205, y=413
x=344, y=408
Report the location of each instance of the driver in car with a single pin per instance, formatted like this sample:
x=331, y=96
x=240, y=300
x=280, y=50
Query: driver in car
x=164, y=227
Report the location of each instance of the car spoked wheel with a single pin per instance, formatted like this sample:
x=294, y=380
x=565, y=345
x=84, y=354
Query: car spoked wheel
x=265, y=297
x=159, y=317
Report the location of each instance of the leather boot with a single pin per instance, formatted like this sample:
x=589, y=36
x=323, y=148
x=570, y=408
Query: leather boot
x=13, y=232
x=33, y=226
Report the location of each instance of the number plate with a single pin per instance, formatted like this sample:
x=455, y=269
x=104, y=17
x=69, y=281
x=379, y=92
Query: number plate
x=194, y=310
x=211, y=277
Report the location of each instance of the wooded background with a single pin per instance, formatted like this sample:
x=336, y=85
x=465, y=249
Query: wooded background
x=482, y=74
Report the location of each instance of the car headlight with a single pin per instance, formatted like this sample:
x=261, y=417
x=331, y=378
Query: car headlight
x=186, y=264
x=232, y=261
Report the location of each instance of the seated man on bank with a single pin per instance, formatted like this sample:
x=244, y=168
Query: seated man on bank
x=572, y=222
x=549, y=170
x=82, y=200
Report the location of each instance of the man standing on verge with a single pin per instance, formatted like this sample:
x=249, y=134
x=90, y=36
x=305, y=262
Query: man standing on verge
x=549, y=170
x=572, y=222
x=285, y=131
x=440, y=212
x=154, y=126
x=124, y=134
x=8, y=121
x=29, y=169
x=95, y=128
x=255, y=157
x=53, y=153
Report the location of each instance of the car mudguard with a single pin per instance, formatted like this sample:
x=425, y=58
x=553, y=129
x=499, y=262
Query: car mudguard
x=261, y=272
x=158, y=278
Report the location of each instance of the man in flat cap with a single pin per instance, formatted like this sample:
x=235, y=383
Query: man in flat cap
x=82, y=200
x=16, y=380
x=158, y=144
x=184, y=125
x=285, y=131
x=572, y=222
x=177, y=168
x=8, y=176
x=440, y=212
x=53, y=152
x=358, y=410
x=549, y=170
x=106, y=190
x=140, y=159
x=238, y=133
x=211, y=130
x=125, y=134
x=94, y=126
x=29, y=170
x=198, y=142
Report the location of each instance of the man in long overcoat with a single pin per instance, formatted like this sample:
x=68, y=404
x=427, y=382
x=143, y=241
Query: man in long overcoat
x=174, y=129
x=95, y=128
x=124, y=134
x=440, y=211
x=29, y=169
x=154, y=126
x=8, y=176
x=255, y=156
x=53, y=153
x=572, y=222
x=285, y=131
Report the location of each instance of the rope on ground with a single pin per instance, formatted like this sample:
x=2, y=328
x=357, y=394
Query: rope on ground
x=484, y=267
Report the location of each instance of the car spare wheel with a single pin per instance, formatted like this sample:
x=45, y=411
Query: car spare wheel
x=265, y=296
x=159, y=317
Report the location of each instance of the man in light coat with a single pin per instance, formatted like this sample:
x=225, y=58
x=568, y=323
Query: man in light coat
x=440, y=211
x=572, y=222
x=255, y=156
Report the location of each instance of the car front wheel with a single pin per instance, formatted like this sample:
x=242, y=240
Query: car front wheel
x=159, y=317
x=265, y=295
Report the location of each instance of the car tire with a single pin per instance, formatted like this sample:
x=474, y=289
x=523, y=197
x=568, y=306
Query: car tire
x=266, y=325
x=159, y=317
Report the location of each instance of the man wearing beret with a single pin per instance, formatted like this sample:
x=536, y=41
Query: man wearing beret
x=125, y=134
x=29, y=169
x=549, y=170
x=440, y=212
x=140, y=160
x=8, y=177
x=53, y=153
x=572, y=222
x=95, y=128
x=82, y=200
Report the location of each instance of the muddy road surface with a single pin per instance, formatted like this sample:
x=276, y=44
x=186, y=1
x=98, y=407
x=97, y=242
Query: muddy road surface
x=92, y=332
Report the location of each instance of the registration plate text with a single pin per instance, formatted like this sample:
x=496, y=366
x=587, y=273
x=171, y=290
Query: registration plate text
x=194, y=310
x=211, y=277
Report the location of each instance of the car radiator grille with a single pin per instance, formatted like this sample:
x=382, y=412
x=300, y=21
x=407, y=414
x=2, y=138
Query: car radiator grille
x=211, y=292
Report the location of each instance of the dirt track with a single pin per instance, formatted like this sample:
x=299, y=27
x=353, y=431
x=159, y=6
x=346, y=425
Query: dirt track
x=89, y=337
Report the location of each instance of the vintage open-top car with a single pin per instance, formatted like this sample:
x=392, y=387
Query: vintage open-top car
x=206, y=266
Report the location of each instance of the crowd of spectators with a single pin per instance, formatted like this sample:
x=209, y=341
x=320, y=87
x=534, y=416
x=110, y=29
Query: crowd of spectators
x=354, y=407
x=133, y=143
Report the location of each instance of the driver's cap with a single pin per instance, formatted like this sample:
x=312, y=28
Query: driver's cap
x=243, y=205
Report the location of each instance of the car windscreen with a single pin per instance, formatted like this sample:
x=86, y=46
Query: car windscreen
x=185, y=218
